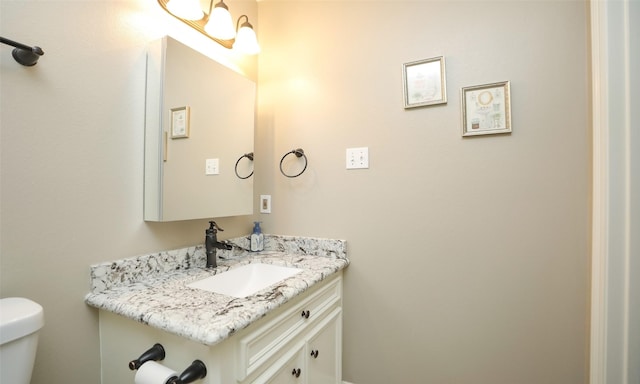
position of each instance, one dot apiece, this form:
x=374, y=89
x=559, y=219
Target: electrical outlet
x=358, y=158
x=212, y=167
x=265, y=203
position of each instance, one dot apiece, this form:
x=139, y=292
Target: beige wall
x=72, y=131
x=470, y=259
x=469, y=256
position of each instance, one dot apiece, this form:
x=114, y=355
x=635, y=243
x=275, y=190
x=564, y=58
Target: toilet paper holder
x=197, y=370
x=154, y=353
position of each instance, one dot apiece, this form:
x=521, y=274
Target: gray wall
x=72, y=134
x=470, y=256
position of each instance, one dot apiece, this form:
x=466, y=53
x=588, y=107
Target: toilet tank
x=20, y=321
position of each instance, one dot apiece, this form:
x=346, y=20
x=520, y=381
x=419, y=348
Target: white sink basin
x=245, y=280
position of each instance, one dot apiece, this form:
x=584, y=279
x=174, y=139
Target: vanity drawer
x=260, y=344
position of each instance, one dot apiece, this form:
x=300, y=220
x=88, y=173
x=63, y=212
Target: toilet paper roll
x=154, y=373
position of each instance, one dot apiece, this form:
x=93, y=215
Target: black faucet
x=212, y=244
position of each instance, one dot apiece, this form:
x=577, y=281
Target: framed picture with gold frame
x=486, y=109
x=424, y=82
x=180, y=122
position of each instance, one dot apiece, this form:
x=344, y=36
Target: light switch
x=357, y=158
x=212, y=167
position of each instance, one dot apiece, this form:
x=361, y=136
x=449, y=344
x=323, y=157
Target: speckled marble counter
x=152, y=289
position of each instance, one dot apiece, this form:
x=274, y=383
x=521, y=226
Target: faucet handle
x=214, y=227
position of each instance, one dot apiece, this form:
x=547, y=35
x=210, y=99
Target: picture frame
x=180, y=122
x=425, y=82
x=486, y=109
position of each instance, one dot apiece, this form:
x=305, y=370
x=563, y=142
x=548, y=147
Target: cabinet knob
x=305, y=314
x=296, y=372
x=314, y=353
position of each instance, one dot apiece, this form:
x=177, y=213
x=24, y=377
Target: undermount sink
x=245, y=280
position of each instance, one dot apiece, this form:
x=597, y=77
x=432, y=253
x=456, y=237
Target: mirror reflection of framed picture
x=180, y=122
x=486, y=109
x=424, y=82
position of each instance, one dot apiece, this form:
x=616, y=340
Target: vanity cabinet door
x=324, y=351
x=287, y=371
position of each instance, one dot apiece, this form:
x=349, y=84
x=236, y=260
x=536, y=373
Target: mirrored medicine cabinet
x=199, y=121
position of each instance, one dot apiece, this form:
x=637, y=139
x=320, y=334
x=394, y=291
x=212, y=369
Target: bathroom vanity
x=289, y=332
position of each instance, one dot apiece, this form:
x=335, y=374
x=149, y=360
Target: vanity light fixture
x=24, y=54
x=217, y=24
x=185, y=9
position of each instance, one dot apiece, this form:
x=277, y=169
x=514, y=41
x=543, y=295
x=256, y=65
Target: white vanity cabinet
x=316, y=361
x=301, y=345
x=300, y=342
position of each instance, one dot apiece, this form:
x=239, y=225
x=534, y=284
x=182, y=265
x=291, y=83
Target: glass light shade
x=186, y=9
x=220, y=24
x=246, y=41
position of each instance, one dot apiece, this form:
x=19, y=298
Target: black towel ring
x=248, y=156
x=299, y=153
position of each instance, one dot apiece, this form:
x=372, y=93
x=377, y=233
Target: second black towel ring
x=299, y=153
x=248, y=156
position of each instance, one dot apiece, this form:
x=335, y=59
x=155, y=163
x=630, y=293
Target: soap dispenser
x=257, y=238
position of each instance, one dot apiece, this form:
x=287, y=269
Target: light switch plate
x=212, y=167
x=358, y=158
x=265, y=203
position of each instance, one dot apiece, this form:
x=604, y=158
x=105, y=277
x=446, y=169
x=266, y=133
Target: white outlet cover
x=265, y=203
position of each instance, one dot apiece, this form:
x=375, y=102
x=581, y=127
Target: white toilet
x=20, y=321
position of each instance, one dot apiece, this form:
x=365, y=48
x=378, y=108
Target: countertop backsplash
x=134, y=269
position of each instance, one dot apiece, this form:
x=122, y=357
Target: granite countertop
x=153, y=290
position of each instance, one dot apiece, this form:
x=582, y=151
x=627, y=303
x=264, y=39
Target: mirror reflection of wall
x=199, y=122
